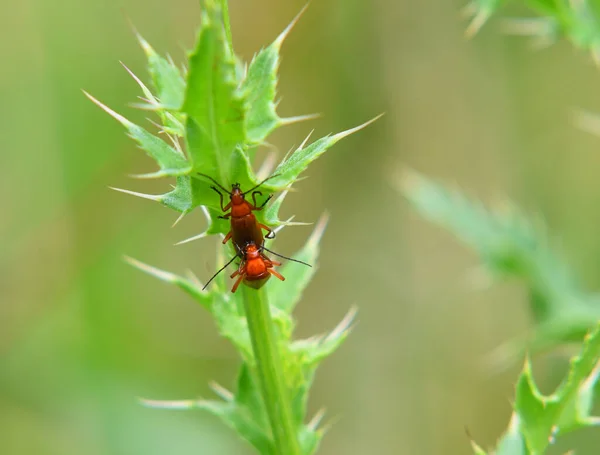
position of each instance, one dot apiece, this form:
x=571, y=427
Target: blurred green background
x=82, y=334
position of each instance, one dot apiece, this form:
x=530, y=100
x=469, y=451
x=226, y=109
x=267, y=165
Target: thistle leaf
x=248, y=396
x=170, y=161
x=509, y=245
x=289, y=170
x=298, y=276
x=538, y=419
x=506, y=241
x=241, y=421
x=166, y=77
x=259, y=89
x=577, y=21
x=479, y=11
x=215, y=111
x=184, y=284
x=223, y=113
x=512, y=442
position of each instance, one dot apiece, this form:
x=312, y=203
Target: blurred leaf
x=578, y=21
x=232, y=323
x=539, y=419
x=479, y=11
x=508, y=245
x=308, y=354
x=242, y=423
x=248, y=396
x=246, y=413
x=512, y=442
x=309, y=439
x=506, y=241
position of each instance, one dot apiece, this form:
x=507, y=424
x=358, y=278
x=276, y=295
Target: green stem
x=225, y=8
x=270, y=371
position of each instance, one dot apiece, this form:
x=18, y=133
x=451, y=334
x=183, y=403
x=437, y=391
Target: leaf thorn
x=298, y=118
x=116, y=116
x=191, y=239
x=179, y=218
x=283, y=35
x=168, y=404
x=152, y=197
x=346, y=133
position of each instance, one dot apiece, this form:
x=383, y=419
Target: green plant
x=215, y=113
x=510, y=246
x=578, y=21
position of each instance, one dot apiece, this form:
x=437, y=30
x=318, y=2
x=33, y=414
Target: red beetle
x=255, y=268
x=244, y=227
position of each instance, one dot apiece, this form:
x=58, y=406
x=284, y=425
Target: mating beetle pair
x=246, y=234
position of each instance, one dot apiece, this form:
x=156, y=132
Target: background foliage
x=81, y=333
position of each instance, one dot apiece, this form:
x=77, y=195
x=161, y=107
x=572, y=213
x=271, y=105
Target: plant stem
x=225, y=8
x=270, y=371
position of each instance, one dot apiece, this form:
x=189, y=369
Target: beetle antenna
x=285, y=257
x=214, y=181
x=268, y=178
x=220, y=270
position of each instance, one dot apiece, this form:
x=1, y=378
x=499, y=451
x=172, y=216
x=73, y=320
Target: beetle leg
x=270, y=232
x=224, y=208
x=237, y=282
x=257, y=207
x=254, y=193
x=276, y=274
x=227, y=237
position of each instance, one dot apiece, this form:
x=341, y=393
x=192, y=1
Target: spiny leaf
x=215, y=125
x=230, y=413
x=187, y=194
x=298, y=276
x=507, y=243
x=180, y=198
x=289, y=170
x=171, y=121
x=309, y=439
x=191, y=288
x=477, y=450
x=306, y=355
x=480, y=11
x=538, y=419
x=248, y=396
x=270, y=213
x=166, y=77
x=578, y=21
x=321, y=347
x=230, y=322
x=259, y=89
x=512, y=442
x=170, y=161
